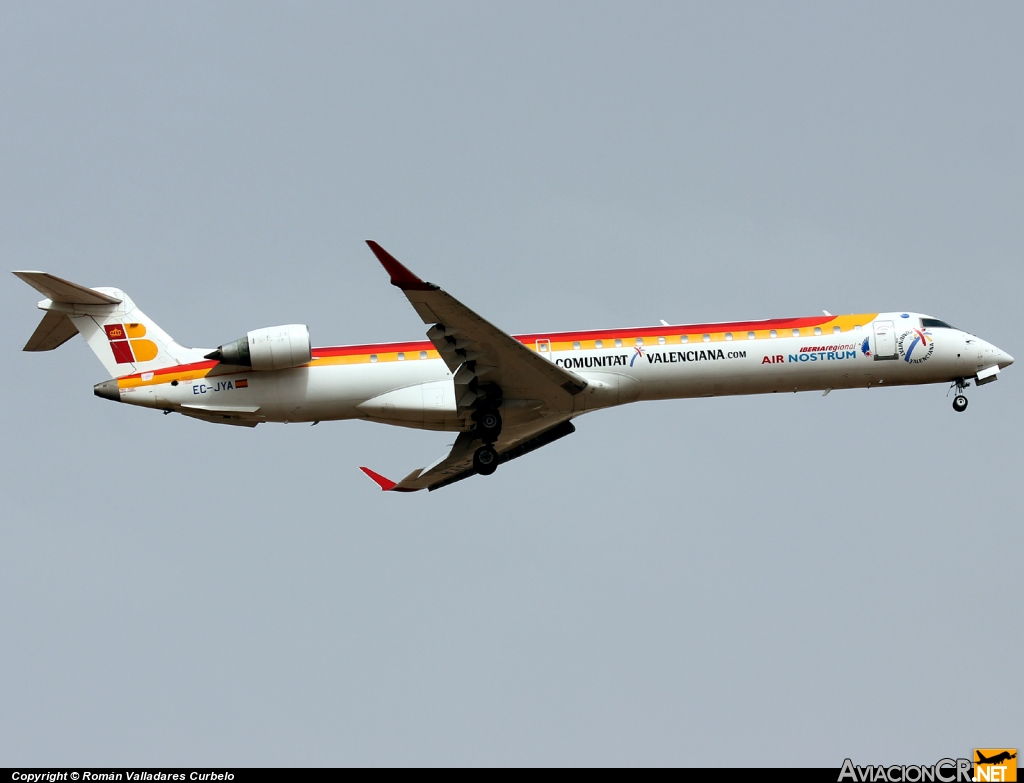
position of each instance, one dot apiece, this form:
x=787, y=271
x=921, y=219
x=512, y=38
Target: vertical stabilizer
x=123, y=338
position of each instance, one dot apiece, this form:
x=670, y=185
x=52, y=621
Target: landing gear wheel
x=489, y=425
x=959, y=403
x=485, y=460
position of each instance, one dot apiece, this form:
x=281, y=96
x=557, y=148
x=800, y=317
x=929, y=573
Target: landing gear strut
x=485, y=460
x=960, y=400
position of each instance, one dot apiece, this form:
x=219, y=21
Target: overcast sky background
x=784, y=579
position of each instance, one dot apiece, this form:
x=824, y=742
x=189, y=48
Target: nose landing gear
x=960, y=400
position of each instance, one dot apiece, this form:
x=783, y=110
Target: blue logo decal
x=908, y=341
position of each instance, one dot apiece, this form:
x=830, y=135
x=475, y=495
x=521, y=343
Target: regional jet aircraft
x=506, y=396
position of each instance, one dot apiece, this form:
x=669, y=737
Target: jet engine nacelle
x=270, y=348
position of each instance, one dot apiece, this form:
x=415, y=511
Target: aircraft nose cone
x=1005, y=360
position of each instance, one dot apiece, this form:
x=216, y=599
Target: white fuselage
x=414, y=387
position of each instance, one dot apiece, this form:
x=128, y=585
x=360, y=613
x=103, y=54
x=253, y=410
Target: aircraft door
x=885, y=340
x=544, y=349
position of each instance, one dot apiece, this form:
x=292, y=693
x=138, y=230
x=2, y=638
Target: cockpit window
x=934, y=323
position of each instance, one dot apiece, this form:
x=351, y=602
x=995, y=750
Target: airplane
x=505, y=396
x=996, y=759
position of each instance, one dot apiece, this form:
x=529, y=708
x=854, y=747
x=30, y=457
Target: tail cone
x=107, y=390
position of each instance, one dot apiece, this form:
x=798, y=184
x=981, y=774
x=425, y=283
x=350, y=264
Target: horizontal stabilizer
x=53, y=331
x=61, y=290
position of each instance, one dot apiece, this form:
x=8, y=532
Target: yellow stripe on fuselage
x=673, y=335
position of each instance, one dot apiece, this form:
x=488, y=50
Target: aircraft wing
x=457, y=464
x=480, y=355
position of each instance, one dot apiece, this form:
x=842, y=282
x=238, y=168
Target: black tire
x=489, y=425
x=959, y=403
x=485, y=460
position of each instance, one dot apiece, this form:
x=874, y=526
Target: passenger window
x=661, y=341
x=599, y=343
x=618, y=343
x=684, y=338
x=728, y=335
x=373, y=357
x=575, y=346
x=817, y=331
x=836, y=330
x=639, y=340
x=796, y=332
x=751, y=335
x=773, y=333
x=423, y=354
x=401, y=357
x=707, y=338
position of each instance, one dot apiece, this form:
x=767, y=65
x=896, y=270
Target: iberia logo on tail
x=125, y=345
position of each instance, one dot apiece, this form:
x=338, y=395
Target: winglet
x=400, y=276
x=384, y=483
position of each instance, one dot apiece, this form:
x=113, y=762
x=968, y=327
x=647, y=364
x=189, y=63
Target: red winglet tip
x=400, y=276
x=384, y=483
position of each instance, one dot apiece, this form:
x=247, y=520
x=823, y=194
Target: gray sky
x=772, y=580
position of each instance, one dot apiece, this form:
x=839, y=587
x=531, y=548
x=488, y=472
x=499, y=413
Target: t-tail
x=123, y=338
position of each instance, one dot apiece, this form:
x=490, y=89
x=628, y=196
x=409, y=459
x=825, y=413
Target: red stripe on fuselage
x=597, y=334
x=555, y=337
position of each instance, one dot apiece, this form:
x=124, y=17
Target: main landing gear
x=488, y=425
x=485, y=460
x=960, y=400
x=488, y=428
